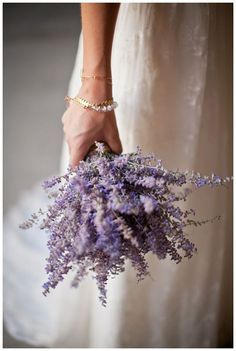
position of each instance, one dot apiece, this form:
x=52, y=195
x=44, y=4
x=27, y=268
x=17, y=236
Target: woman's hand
x=84, y=126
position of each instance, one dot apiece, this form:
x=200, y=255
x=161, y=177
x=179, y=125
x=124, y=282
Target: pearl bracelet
x=105, y=106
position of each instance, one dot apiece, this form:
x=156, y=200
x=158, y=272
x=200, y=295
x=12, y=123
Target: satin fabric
x=172, y=79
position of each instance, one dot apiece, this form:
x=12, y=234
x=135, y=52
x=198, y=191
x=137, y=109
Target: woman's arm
x=98, y=25
x=82, y=127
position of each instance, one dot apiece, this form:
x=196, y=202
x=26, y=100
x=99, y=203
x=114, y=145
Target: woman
x=171, y=71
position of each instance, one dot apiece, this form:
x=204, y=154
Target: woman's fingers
x=78, y=154
x=114, y=144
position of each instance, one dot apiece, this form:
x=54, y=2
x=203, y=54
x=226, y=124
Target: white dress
x=172, y=78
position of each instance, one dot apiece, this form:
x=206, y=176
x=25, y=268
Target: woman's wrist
x=95, y=90
x=97, y=71
x=100, y=66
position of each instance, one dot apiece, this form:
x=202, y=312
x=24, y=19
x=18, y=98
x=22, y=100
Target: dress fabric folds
x=172, y=79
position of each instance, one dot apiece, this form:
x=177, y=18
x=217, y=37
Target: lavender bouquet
x=116, y=207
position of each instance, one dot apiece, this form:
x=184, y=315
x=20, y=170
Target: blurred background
x=41, y=38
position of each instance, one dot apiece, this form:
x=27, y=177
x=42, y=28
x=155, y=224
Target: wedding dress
x=172, y=78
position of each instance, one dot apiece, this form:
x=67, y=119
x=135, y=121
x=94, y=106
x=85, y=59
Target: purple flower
x=148, y=203
x=113, y=208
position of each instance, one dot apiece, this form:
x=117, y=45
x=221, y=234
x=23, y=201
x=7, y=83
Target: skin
x=84, y=126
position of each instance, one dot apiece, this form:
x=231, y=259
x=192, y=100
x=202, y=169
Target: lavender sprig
x=117, y=207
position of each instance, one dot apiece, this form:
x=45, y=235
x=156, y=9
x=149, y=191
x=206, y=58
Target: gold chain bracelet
x=93, y=76
x=104, y=106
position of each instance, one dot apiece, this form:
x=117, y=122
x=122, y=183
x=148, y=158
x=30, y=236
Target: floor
x=40, y=44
